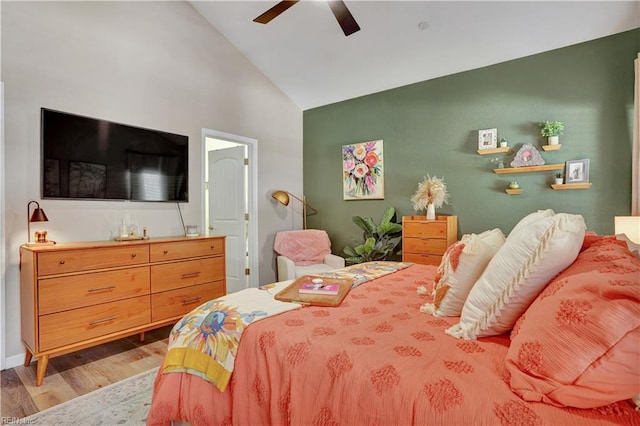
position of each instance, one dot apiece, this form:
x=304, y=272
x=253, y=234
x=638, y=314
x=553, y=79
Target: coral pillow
x=528, y=260
x=304, y=247
x=461, y=266
x=578, y=344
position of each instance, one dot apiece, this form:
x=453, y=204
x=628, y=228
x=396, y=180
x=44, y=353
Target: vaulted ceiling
x=306, y=54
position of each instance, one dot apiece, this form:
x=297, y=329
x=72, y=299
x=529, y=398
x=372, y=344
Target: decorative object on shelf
x=558, y=178
x=514, y=185
x=37, y=216
x=527, y=155
x=431, y=194
x=283, y=198
x=499, y=163
x=362, y=171
x=577, y=171
x=379, y=242
x=503, y=143
x=552, y=130
x=487, y=138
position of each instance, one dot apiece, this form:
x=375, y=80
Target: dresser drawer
x=185, y=249
x=65, y=261
x=77, y=291
x=169, y=276
x=179, y=302
x=424, y=245
x=424, y=259
x=433, y=229
x=82, y=324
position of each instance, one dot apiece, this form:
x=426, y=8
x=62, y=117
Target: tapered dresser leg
x=27, y=358
x=41, y=369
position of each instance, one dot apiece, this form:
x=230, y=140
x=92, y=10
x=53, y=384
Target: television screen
x=87, y=158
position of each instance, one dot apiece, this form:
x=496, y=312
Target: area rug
x=126, y=402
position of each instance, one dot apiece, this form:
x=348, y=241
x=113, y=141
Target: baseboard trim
x=15, y=361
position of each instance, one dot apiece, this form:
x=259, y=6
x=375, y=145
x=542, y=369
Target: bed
x=387, y=356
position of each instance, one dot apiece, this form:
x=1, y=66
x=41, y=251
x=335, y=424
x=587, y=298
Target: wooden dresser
x=77, y=295
x=425, y=241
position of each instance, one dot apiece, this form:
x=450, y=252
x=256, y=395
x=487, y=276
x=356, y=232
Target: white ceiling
x=305, y=53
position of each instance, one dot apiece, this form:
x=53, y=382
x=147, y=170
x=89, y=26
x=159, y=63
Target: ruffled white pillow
x=533, y=254
x=461, y=266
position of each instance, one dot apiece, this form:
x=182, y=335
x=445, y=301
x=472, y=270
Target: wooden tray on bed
x=291, y=293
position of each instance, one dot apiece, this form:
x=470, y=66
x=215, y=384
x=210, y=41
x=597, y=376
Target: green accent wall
x=431, y=128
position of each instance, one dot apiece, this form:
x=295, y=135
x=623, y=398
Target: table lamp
x=37, y=216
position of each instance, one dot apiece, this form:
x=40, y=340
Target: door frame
x=252, y=196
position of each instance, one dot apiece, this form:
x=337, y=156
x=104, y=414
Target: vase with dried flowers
x=431, y=193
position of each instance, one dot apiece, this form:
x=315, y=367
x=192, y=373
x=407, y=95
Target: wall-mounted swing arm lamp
x=283, y=198
x=37, y=216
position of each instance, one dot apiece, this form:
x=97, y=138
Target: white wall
x=157, y=65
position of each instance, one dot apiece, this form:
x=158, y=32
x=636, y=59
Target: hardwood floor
x=69, y=376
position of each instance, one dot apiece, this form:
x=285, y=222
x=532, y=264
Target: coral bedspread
x=375, y=359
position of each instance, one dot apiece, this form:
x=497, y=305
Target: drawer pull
x=190, y=301
x=133, y=255
x=61, y=262
x=191, y=274
x=165, y=251
x=212, y=246
x=111, y=287
x=102, y=321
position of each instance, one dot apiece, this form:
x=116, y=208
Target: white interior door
x=228, y=209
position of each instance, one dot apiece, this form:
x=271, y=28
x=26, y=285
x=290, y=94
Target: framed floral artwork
x=363, y=171
x=487, y=138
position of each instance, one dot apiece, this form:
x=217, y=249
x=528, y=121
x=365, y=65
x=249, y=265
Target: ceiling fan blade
x=274, y=11
x=344, y=17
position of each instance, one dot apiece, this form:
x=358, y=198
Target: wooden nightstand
x=425, y=241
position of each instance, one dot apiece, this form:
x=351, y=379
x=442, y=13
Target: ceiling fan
x=339, y=9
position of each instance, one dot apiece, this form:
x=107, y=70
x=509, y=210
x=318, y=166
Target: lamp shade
x=282, y=197
x=628, y=225
x=38, y=216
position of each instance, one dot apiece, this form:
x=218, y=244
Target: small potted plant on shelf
x=558, y=177
x=503, y=143
x=552, y=130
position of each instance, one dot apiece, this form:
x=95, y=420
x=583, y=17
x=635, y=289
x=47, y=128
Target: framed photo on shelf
x=577, y=171
x=487, y=138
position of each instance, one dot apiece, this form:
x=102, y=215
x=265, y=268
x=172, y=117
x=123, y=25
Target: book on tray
x=319, y=288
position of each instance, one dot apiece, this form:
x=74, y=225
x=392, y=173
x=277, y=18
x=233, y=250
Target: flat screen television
x=91, y=159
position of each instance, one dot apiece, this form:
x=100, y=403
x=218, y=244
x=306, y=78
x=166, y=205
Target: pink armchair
x=304, y=252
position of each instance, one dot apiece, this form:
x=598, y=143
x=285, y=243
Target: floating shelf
x=490, y=151
x=528, y=169
x=511, y=191
x=551, y=147
x=571, y=186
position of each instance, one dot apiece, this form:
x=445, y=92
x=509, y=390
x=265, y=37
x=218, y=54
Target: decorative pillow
x=523, y=266
x=532, y=218
x=578, y=344
x=461, y=266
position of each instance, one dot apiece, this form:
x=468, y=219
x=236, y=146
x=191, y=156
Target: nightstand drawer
x=82, y=324
x=77, y=291
x=169, y=276
x=61, y=262
x=433, y=229
x=424, y=259
x=425, y=245
x=179, y=302
x=186, y=249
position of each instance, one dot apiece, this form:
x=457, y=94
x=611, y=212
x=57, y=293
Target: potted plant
x=552, y=130
x=558, y=177
x=503, y=143
x=379, y=241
